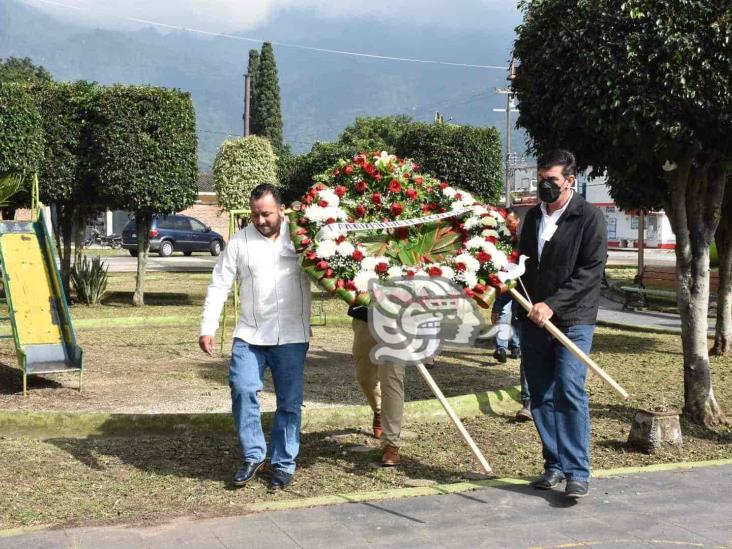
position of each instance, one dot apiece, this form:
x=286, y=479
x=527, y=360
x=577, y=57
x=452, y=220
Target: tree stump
x=653, y=430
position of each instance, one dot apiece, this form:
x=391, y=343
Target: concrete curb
x=435, y=490
x=79, y=425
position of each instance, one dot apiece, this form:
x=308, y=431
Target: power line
x=279, y=44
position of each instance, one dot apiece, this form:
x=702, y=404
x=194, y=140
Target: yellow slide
x=44, y=337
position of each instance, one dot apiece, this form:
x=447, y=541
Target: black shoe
x=246, y=472
x=279, y=479
x=549, y=479
x=500, y=355
x=577, y=489
x=516, y=352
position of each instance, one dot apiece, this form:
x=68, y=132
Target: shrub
x=240, y=165
x=89, y=280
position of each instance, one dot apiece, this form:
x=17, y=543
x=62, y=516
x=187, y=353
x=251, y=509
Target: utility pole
x=247, y=93
x=508, y=92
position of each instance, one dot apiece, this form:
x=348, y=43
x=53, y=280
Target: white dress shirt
x=274, y=292
x=548, y=225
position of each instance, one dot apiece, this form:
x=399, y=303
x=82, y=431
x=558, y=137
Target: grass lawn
x=155, y=368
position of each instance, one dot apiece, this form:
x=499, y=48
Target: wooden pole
x=576, y=351
x=247, y=103
x=454, y=417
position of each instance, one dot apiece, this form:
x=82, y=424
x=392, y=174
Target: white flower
x=370, y=263
x=326, y=249
x=315, y=213
x=479, y=210
x=384, y=160
x=331, y=235
x=499, y=259
x=449, y=192
x=471, y=264
x=447, y=272
x=488, y=233
x=472, y=222
x=395, y=272
x=470, y=279
x=361, y=280
x=497, y=215
x=475, y=242
x=345, y=249
x=489, y=221
x=330, y=197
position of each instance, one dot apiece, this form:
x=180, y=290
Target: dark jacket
x=569, y=275
x=359, y=312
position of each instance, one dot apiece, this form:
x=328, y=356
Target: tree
x=143, y=151
x=15, y=69
x=267, y=114
x=21, y=140
x=723, y=238
x=467, y=156
x=64, y=180
x=252, y=69
x=375, y=132
x=629, y=85
x=240, y=165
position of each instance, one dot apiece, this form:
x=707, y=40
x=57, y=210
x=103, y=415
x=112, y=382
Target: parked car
x=175, y=233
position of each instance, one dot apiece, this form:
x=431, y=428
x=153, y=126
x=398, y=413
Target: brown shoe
x=524, y=414
x=390, y=456
x=377, y=425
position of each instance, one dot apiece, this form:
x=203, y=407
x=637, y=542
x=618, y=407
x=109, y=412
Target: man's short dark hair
x=559, y=157
x=264, y=189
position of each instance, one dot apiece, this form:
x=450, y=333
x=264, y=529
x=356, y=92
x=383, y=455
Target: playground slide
x=44, y=336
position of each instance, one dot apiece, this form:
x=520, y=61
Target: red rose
x=301, y=231
x=460, y=267
x=458, y=196
x=357, y=255
x=492, y=239
x=432, y=206
x=340, y=239
x=340, y=190
x=434, y=271
x=418, y=180
x=350, y=285
x=411, y=194
x=305, y=242
x=415, y=167
x=376, y=199
x=336, y=172
x=483, y=257
x=395, y=186
x=514, y=256
x=377, y=176
x=369, y=169
x=407, y=175
x=444, y=185
x=340, y=283
x=348, y=169
x=323, y=203
x=360, y=186
x=329, y=273
x=410, y=274
x=402, y=233
x=308, y=200
x=468, y=292
x=381, y=268
x=493, y=280
x=322, y=265
x=360, y=210
x=396, y=209
x=479, y=288
x=424, y=207
x=310, y=255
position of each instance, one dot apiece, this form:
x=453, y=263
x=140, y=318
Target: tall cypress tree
x=267, y=120
x=252, y=71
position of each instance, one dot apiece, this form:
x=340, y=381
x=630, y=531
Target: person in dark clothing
x=565, y=239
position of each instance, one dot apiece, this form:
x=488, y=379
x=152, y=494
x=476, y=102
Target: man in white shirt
x=273, y=331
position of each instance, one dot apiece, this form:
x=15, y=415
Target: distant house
x=622, y=226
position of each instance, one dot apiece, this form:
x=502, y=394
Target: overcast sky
x=247, y=15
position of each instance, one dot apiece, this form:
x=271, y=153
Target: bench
x=664, y=280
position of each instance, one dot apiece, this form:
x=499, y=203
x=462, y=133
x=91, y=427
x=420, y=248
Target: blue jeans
x=505, y=320
x=287, y=363
x=559, y=401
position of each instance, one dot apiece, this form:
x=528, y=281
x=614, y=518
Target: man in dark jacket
x=565, y=238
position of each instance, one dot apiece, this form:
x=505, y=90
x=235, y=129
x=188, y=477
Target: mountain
x=321, y=92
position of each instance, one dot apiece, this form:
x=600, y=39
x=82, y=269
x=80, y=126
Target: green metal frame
x=38, y=224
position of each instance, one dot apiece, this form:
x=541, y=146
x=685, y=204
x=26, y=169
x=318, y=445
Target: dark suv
x=175, y=233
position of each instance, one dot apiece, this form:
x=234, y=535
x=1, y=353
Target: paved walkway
x=681, y=508
x=612, y=312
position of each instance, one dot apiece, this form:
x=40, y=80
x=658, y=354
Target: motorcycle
x=96, y=238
